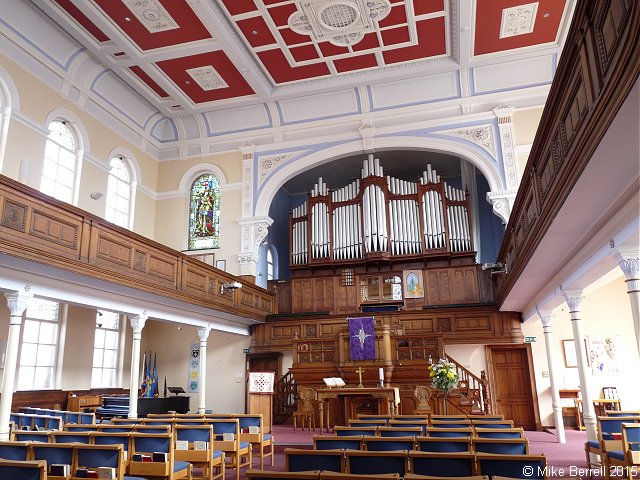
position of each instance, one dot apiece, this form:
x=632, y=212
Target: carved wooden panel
x=54, y=230
x=302, y=296
x=114, y=251
x=14, y=215
x=162, y=268
x=473, y=323
x=285, y=332
x=419, y=324
x=196, y=280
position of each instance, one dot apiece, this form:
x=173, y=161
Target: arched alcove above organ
x=379, y=218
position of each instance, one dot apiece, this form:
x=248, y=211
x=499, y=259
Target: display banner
x=362, y=340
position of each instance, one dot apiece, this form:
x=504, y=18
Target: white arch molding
x=453, y=146
x=194, y=172
x=9, y=101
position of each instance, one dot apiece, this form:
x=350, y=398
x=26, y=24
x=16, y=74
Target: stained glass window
x=204, y=213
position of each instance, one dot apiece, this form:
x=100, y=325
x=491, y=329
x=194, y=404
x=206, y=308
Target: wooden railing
x=599, y=66
x=473, y=391
x=41, y=229
x=285, y=394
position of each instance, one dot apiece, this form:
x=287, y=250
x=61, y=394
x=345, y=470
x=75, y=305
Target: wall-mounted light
x=96, y=195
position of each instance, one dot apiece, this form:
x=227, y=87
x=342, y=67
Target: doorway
x=512, y=383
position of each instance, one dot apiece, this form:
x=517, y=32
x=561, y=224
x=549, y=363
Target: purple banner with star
x=362, y=340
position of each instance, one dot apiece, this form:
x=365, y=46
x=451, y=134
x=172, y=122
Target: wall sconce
x=230, y=287
x=96, y=195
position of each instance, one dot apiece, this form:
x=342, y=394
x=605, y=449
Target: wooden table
x=385, y=396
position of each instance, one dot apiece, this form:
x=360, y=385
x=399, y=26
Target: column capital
x=203, y=333
x=18, y=302
x=629, y=261
x=502, y=202
x=574, y=299
x=138, y=322
x=545, y=317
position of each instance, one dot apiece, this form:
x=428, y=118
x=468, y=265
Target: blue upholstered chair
x=450, y=423
x=621, y=413
x=513, y=466
x=33, y=470
x=261, y=439
x=380, y=422
x=396, y=431
x=337, y=442
x=150, y=443
x=609, y=438
x=385, y=444
x=354, y=476
x=485, y=418
x=31, y=436
x=80, y=427
x=367, y=463
x=150, y=428
x=207, y=458
x=449, y=432
x=237, y=452
x=449, y=418
x=351, y=431
x=302, y=460
x=114, y=438
x=53, y=453
x=442, y=464
x=493, y=423
x=443, y=445
x=69, y=437
x=498, y=432
x=14, y=450
x=627, y=460
x=94, y=456
x=386, y=418
x=502, y=446
x=256, y=474
x=117, y=428
x=423, y=424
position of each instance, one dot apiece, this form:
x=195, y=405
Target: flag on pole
x=143, y=384
x=154, y=377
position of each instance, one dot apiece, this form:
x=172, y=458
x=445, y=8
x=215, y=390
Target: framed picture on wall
x=570, y=354
x=221, y=264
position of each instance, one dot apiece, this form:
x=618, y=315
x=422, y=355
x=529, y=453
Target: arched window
x=118, y=193
x=60, y=162
x=269, y=265
x=204, y=213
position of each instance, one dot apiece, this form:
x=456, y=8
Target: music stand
x=176, y=390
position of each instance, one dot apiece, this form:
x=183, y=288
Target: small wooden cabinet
x=80, y=403
x=570, y=411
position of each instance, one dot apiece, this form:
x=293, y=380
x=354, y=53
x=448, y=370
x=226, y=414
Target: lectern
x=260, y=397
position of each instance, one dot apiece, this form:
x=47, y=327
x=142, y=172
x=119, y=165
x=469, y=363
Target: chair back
x=301, y=460
x=400, y=431
x=423, y=424
x=493, y=423
x=368, y=423
x=350, y=431
x=385, y=444
x=499, y=432
x=443, y=445
x=256, y=474
x=368, y=463
x=32, y=470
x=449, y=432
x=337, y=442
x=31, y=436
x=81, y=427
x=622, y=413
x=513, y=466
x=53, y=453
x=94, y=456
x=442, y=464
x=70, y=437
x=503, y=446
x=14, y=451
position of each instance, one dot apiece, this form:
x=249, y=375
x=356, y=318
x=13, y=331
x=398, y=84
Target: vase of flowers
x=444, y=376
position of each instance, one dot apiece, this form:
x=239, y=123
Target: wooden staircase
x=285, y=395
x=471, y=396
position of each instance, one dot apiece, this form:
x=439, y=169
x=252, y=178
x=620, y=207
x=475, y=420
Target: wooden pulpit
x=260, y=397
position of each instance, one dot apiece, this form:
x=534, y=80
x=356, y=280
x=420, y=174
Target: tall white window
x=118, y=193
x=60, y=162
x=269, y=265
x=105, y=350
x=36, y=369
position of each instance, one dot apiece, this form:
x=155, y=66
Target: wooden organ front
x=380, y=217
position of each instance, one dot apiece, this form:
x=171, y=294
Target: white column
x=574, y=299
x=62, y=339
x=137, y=324
x=629, y=261
x=203, y=334
x=17, y=303
x=545, y=318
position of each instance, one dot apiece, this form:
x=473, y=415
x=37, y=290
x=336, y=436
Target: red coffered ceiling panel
x=431, y=42
x=237, y=7
x=142, y=75
x=82, y=19
x=190, y=28
x=489, y=17
x=176, y=70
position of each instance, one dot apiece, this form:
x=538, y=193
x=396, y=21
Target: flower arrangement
x=443, y=374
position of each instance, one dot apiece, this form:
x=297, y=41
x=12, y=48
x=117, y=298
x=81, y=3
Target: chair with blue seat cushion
x=80, y=427
x=411, y=418
x=14, y=450
x=502, y=446
x=400, y=431
x=609, y=439
x=448, y=418
x=351, y=431
x=53, y=453
x=442, y=464
x=150, y=428
x=449, y=432
x=355, y=476
x=302, y=460
x=259, y=474
x=368, y=423
x=253, y=430
x=498, y=432
x=31, y=436
x=95, y=456
x=622, y=413
x=114, y=438
x=337, y=442
x=422, y=424
x=32, y=470
x=487, y=418
x=363, y=416
x=194, y=444
x=226, y=437
x=384, y=444
x=153, y=443
x=446, y=445
x=512, y=466
x=87, y=418
x=415, y=476
x=492, y=423
x=118, y=428
x=450, y=423
x=70, y=437
x=626, y=460
x=367, y=462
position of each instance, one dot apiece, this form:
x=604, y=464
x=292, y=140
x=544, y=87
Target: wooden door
x=512, y=384
x=268, y=362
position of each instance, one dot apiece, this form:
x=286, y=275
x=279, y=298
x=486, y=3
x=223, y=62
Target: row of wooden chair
x=66, y=415
x=421, y=463
x=504, y=446
x=326, y=475
x=24, y=456
x=423, y=430
x=432, y=423
x=618, y=445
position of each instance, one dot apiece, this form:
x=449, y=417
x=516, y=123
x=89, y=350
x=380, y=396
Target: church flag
x=143, y=383
x=362, y=344
x=154, y=377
